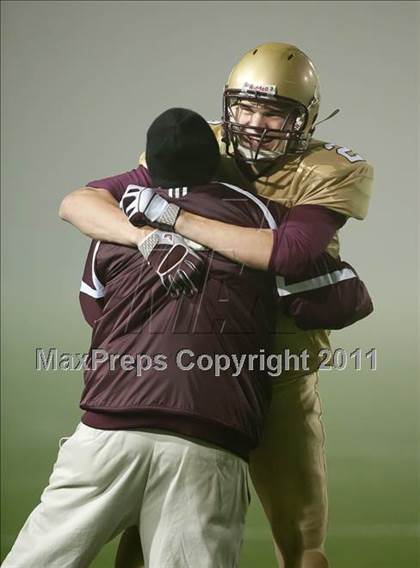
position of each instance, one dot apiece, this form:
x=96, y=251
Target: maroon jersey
x=175, y=342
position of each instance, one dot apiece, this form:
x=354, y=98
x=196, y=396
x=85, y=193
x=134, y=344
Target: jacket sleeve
x=302, y=236
x=92, y=290
x=117, y=184
x=330, y=295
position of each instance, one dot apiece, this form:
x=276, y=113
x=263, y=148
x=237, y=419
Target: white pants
x=188, y=499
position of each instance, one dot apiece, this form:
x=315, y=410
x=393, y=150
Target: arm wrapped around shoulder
x=330, y=296
x=302, y=236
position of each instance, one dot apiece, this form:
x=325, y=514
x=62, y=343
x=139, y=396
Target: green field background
x=81, y=81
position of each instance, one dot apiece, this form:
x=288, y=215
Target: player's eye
x=275, y=112
x=246, y=108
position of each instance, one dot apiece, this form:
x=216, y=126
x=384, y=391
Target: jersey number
x=346, y=153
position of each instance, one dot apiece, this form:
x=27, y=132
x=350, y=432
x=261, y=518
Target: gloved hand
x=179, y=268
x=143, y=206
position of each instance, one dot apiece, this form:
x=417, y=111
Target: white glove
x=143, y=206
x=179, y=268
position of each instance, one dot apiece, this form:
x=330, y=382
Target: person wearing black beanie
x=181, y=149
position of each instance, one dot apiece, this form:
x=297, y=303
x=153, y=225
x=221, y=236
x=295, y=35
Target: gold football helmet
x=280, y=77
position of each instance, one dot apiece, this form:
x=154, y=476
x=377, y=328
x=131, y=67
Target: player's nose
x=256, y=119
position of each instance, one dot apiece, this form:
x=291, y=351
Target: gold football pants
x=289, y=474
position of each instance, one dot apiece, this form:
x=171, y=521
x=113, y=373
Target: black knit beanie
x=181, y=149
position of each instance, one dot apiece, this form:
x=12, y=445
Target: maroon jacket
x=132, y=315
x=320, y=292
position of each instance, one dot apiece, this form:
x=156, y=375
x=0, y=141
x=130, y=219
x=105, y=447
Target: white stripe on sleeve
x=313, y=283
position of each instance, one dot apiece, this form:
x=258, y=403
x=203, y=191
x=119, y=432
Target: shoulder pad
x=216, y=127
x=336, y=177
x=142, y=159
x=331, y=158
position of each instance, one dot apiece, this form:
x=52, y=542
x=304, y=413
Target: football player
x=270, y=107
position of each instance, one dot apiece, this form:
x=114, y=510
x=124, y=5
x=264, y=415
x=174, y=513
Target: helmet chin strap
x=259, y=153
x=262, y=154
x=253, y=169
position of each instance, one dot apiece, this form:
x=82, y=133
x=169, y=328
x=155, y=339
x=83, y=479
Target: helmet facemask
x=253, y=144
